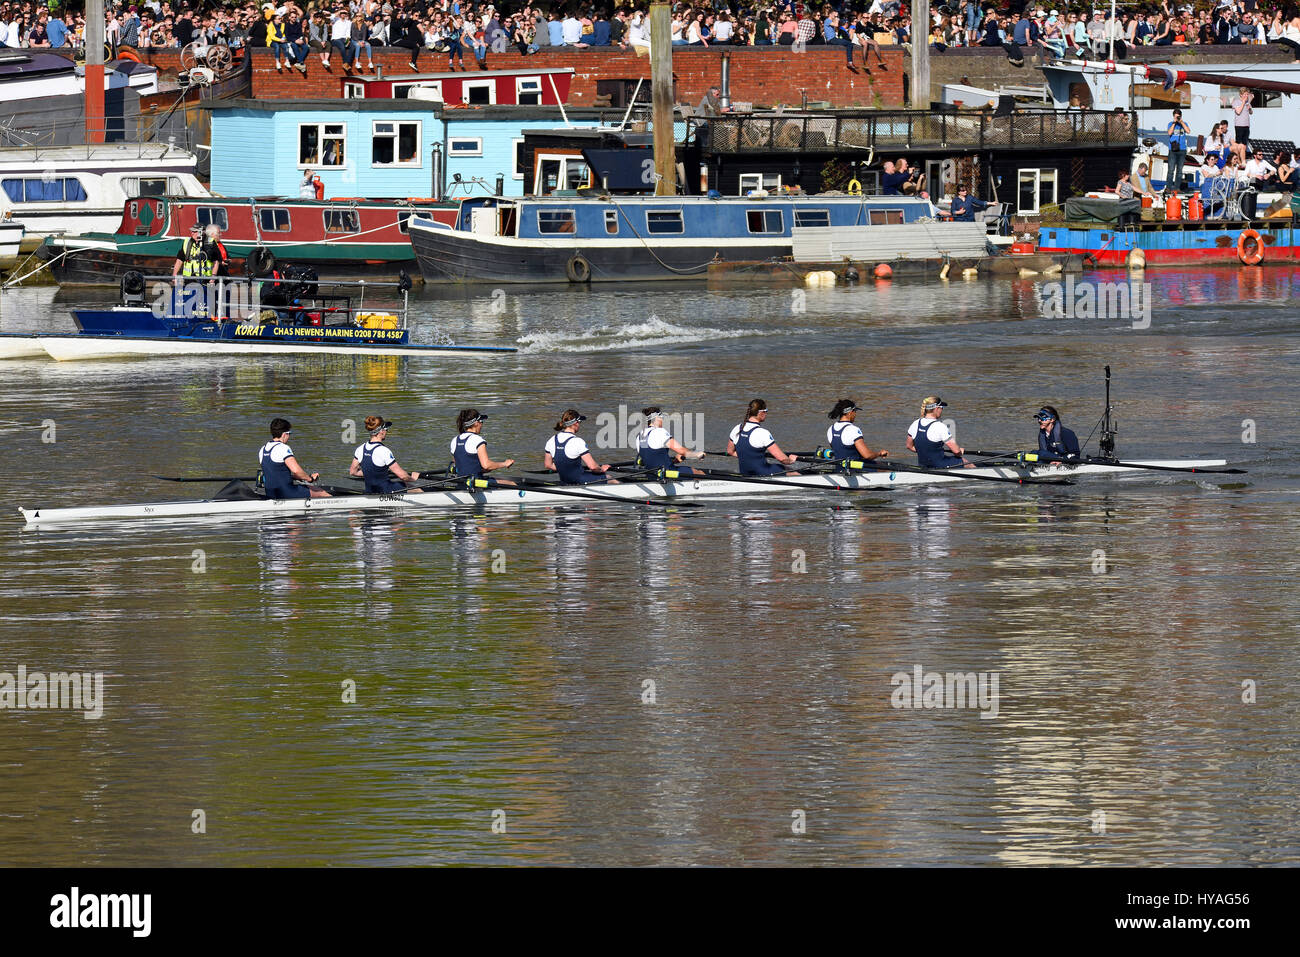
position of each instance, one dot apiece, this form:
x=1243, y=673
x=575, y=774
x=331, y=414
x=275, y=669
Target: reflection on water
x=643, y=686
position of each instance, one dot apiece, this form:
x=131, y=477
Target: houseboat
x=601, y=238
x=68, y=190
x=11, y=240
x=340, y=238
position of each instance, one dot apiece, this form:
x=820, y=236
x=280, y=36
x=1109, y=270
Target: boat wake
x=653, y=332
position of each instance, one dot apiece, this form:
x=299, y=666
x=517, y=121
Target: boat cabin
x=536, y=87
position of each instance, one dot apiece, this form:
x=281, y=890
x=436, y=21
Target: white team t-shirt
x=848, y=435
x=655, y=438
x=279, y=452
x=574, y=447
x=383, y=455
x=936, y=431
x=472, y=444
x=759, y=437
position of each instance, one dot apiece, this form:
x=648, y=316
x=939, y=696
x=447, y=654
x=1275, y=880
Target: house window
x=273, y=219
x=355, y=90
x=518, y=171
x=884, y=217
x=38, y=189
x=478, y=92
x=1035, y=188
x=664, y=221
x=812, y=217
x=556, y=221
x=321, y=144
x=768, y=181
x=404, y=219
x=402, y=91
x=528, y=90
x=212, y=216
x=464, y=146
x=152, y=186
x=611, y=221
x=342, y=221
x=765, y=221
x=395, y=144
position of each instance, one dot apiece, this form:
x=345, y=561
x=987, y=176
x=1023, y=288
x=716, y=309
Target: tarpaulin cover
x=1101, y=210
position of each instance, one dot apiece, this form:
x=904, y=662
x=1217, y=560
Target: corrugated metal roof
x=819, y=244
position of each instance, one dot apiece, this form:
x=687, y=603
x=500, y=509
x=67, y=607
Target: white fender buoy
x=943, y=273
x=1026, y=273
x=1137, y=259
x=970, y=273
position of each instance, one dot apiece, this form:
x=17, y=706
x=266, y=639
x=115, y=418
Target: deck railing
x=912, y=129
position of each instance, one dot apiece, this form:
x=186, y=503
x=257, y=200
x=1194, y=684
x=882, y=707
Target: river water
x=618, y=685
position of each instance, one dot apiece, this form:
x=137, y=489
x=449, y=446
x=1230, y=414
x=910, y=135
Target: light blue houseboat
x=601, y=238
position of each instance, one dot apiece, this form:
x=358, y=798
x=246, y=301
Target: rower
x=657, y=449
x=569, y=456
x=469, y=454
x=1053, y=438
x=375, y=462
x=280, y=468
x=931, y=440
x=848, y=447
x=751, y=443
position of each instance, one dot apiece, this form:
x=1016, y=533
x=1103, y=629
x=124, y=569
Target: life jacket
x=194, y=261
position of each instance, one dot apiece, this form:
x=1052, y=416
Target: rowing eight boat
x=534, y=497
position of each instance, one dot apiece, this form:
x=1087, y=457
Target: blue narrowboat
x=608, y=238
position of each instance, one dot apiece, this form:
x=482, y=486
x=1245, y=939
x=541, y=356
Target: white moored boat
x=696, y=488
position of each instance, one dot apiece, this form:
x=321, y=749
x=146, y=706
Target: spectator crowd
x=347, y=32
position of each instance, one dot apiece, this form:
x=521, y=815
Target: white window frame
x=490, y=85
x=681, y=222
x=880, y=216
x=404, y=218
x=453, y=140
x=573, y=218
x=765, y=213
x=1039, y=174
x=611, y=218
x=340, y=211
x=516, y=159
x=288, y=219
x=820, y=211
x=520, y=91
x=354, y=90
x=417, y=85
x=320, y=146
x=224, y=224
x=762, y=178
x=397, y=135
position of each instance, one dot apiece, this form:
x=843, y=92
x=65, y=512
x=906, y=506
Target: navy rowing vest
x=1056, y=443
x=571, y=471
x=276, y=477
x=465, y=463
x=652, y=458
x=929, y=455
x=840, y=451
x=377, y=478
x=752, y=461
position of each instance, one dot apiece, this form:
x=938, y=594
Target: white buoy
x=970, y=273
x=1026, y=273
x=1053, y=270
x=825, y=277
x=943, y=273
x=1137, y=259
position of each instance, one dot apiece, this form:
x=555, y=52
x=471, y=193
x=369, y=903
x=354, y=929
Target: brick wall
x=768, y=76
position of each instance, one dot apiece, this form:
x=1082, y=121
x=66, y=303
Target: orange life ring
x=126, y=53
x=1250, y=247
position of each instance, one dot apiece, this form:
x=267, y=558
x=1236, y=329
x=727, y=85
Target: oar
x=613, y=465
x=204, y=478
x=888, y=465
x=760, y=480
x=550, y=489
x=1040, y=457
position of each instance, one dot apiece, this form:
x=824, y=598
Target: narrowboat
x=605, y=238
x=339, y=238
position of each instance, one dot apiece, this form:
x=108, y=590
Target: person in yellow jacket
x=277, y=41
x=191, y=260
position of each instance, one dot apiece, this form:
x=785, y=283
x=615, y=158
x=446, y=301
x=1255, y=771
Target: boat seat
x=994, y=217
